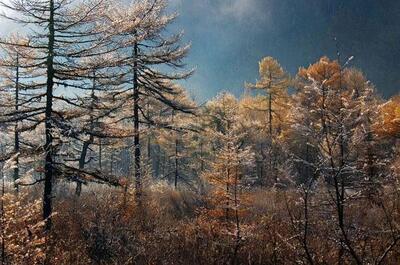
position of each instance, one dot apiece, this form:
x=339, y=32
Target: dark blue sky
x=229, y=37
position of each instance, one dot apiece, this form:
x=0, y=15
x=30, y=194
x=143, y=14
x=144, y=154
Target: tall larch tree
x=61, y=34
x=335, y=107
x=16, y=70
x=174, y=137
x=227, y=172
x=274, y=82
x=137, y=31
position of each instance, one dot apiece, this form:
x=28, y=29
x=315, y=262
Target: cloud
x=245, y=10
x=240, y=11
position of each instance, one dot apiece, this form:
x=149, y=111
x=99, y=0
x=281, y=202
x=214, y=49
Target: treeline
x=298, y=170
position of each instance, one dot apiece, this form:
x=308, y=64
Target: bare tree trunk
x=148, y=136
x=112, y=162
x=138, y=178
x=47, y=195
x=227, y=194
x=176, y=163
x=162, y=164
x=3, y=241
x=261, y=165
x=271, y=152
x=305, y=230
x=157, y=160
x=270, y=114
x=16, y=133
x=306, y=199
x=237, y=221
x=82, y=161
x=86, y=144
x=100, y=154
x=201, y=156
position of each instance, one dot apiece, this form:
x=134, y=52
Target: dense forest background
x=106, y=159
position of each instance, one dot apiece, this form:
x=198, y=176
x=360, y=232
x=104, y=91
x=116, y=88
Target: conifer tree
x=334, y=109
x=226, y=177
x=16, y=70
x=274, y=81
x=63, y=32
x=137, y=32
x=388, y=124
x=175, y=137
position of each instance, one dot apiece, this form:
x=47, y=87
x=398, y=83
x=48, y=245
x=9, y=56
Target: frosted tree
x=252, y=111
x=137, y=32
x=274, y=82
x=62, y=33
x=175, y=137
x=362, y=98
x=334, y=111
x=226, y=177
x=220, y=114
x=322, y=98
x=16, y=71
x=388, y=123
x=97, y=114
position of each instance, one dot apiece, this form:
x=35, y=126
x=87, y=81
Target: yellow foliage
x=22, y=229
x=389, y=122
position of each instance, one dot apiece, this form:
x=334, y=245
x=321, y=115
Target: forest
x=107, y=159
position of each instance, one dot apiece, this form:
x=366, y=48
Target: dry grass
x=105, y=226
